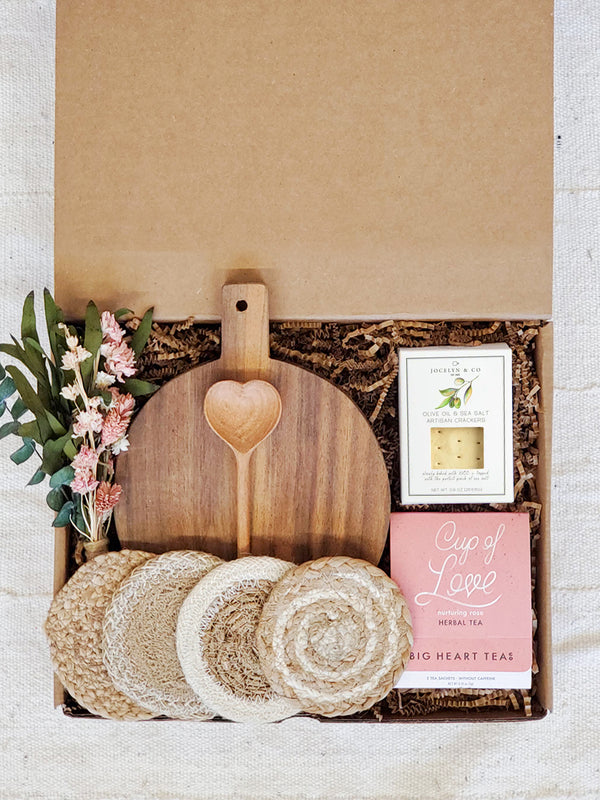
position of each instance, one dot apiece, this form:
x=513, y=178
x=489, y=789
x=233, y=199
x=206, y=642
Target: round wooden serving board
x=318, y=483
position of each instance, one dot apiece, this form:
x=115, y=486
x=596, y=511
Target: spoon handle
x=243, y=503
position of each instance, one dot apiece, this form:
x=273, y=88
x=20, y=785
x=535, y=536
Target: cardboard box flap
x=366, y=160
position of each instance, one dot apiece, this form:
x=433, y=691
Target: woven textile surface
x=74, y=630
x=45, y=756
x=335, y=634
x=139, y=633
x=216, y=640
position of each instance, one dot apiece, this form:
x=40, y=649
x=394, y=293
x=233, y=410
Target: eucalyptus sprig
x=62, y=389
x=451, y=394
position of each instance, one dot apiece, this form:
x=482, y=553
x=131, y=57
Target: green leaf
x=69, y=449
x=77, y=515
x=447, y=392
x=121, y=312
x=28, y=326
x=30, y=358
x=34, y=344
x=36, y=364
x=138, y=388
x=18, y=408
x=2, y=407
x=21, y=352
x=468, y=394
x=64, y=515
x=445, y=402
x=64, y=476
x=30, y=429
x=8, y=428
x=140, y=337
x=54, y=315
x=58, y=429
x=459, y=381
x=38, y=477
x=7, y=387
x=54, y=456
x=14, y=351
x=57, y=385
x=24, y=452
x=91, y=341
x=55, y=499
x=2, y=373
x=32, y=401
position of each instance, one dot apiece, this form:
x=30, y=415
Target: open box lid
x=365, y=160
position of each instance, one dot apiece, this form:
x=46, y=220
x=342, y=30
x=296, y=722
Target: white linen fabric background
x=46, y=755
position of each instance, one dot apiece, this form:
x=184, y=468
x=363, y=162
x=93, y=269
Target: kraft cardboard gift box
x=389, y=160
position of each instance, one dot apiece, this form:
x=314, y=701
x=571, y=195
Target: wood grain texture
x=318, y=483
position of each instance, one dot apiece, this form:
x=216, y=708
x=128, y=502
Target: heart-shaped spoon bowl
x=242, y=414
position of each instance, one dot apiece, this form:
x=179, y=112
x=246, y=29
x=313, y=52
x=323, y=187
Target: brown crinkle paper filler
x=361, y=359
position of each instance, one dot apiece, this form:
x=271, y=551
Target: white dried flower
x=120, y=446
x=72, y=341
x=73, y=358
x=70, y=392
x=104, y=380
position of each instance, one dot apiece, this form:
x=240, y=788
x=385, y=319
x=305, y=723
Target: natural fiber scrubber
x=216, y=641
x=74, y=630
x=139, y=633
x=335, y=635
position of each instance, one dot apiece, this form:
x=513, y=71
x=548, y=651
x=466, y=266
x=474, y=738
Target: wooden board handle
x=245, y=330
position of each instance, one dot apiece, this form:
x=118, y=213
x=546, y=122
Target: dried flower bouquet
x=82, y=404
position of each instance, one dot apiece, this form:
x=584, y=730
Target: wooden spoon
x=243, y=415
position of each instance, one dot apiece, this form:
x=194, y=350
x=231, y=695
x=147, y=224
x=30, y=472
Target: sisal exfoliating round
x=140, y=652
x=74, y=630
x=216, y=640
x=335, y=635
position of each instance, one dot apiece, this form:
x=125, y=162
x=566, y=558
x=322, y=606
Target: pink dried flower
x=74, y=357
x=124, y=403
x=111, y=330
x=107, y=497
x=88, y=422
x=114, y=426
x=86, y=459
x=116, y=421
x=120, y=359
x=83, y=482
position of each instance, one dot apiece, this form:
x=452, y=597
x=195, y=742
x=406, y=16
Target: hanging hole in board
x=241, y=305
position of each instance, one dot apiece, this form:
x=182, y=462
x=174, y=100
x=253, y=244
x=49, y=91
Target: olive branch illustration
x=451, y=394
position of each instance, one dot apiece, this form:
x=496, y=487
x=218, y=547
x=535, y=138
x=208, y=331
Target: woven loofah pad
x=216, y=640
x=140, y=651
x=74, y=630
x=335, y=634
